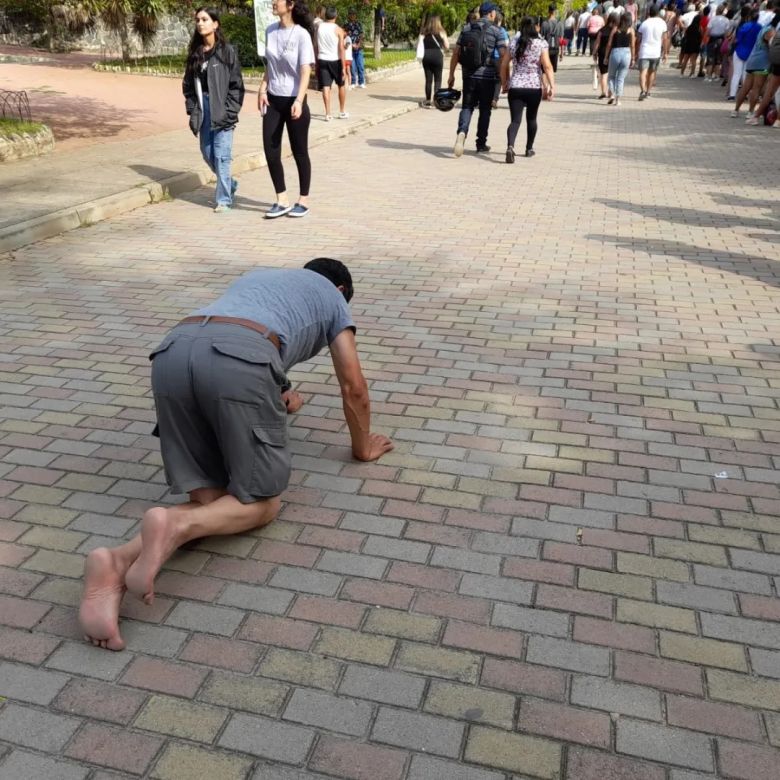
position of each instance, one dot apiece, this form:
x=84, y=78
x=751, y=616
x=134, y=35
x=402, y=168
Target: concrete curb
x=85, y=214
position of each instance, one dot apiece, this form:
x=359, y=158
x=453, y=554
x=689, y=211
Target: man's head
x=330, y=13
x=552, y=9
x=335, y=271
x=652, y=11
x=352, y=14
x=488, y=10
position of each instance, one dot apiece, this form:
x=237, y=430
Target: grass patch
x=390, y=58
x=173, y=64
x=9, y=127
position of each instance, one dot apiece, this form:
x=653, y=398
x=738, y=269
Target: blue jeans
x=477, y=94
x=619, y=60
x=216, y=146
x=358, y=67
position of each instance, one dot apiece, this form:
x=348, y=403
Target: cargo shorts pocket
x=271, y=466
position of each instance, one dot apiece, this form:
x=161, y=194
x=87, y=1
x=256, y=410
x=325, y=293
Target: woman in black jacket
x=214, y=91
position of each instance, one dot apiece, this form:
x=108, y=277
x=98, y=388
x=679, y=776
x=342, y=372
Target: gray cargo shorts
x=220, y=415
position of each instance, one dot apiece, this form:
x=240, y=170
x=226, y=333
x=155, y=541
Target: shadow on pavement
x=762, y=269
x=692, y=217
x=436, y=151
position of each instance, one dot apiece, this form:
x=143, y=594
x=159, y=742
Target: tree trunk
x=377, y=45
x=124, y=39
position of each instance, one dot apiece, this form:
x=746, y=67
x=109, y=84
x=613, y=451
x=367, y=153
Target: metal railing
x=15, y=105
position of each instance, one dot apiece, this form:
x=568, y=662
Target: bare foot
x=104, y=587
x=159, y=541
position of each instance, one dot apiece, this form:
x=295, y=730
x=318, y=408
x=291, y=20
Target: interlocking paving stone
x=33, y=728
x=183, y=760
x=81, y=658
x=415, y=731
x=35, y=686
x=20, y=764
x=180, y=718
x=671, y=745
x=267, y=738
x=315, y=708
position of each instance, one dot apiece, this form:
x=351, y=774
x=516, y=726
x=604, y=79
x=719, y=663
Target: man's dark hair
x=552, y=8
x=653, y=11
x=331, y=13
x=335, y=271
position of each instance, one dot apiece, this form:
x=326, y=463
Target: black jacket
x=226, y=91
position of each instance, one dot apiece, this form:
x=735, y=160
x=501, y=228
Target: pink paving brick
x=189, y=586
x=375, y=487
x=579, y=555
x=615, y=540
x=332, y=539
x=252, y=572
x=426, y=513
x=14, y=554
x=437, y=534
x=524, y=678
x=164, y=676
x=284, y=552
x=491, y=641
x=424, y=576
x=119, y=749
x=762, y=607
x=20, y=613
x=573, y=600
x=99, y=700
x=481, y=521
x=568, y=724
x=18, y=645
x=657, y=673
x=612, y=634
x=747, y=762
x=508, y=506
x=449, y=605
x=357, y=761
x=329, y=611
x=650, y=525
x=278, y=632
x=714, y=718
x=586, y=764
x=309, y=515
x=539, y=571
x=222, y=653
x=381, y=594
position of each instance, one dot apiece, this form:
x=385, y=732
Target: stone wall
x=173, y=36
x=21, y=145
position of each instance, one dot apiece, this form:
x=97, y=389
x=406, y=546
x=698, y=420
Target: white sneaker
x=361, y=86
x=328, y=117
x=351, y=87
x=734, y=114
x=460, y=142
x=344, y=115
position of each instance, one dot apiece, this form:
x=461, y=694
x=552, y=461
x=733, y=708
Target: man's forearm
x=357, y=413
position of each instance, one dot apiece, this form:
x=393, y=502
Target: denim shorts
x=220, y=415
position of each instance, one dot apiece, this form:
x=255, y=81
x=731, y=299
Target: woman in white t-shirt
x=289, y=56
x=531, y=79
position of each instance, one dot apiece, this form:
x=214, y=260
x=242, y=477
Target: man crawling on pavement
x=222, y=396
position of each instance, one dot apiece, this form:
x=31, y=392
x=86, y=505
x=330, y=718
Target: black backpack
x=472, y=46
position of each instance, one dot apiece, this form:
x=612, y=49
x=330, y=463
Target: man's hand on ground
x=292, y=400
x=378, y=445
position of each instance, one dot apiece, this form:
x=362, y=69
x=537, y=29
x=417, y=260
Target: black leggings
x=277, y=116
x=433, y=64
x=518, y=100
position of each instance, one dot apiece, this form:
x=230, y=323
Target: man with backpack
x=552, y=32
x=474, y=51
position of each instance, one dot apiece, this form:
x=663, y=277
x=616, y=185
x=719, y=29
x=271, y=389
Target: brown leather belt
x=255, y=326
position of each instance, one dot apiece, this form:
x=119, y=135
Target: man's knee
x=266, y=510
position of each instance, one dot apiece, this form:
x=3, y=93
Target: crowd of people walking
x=717, y=42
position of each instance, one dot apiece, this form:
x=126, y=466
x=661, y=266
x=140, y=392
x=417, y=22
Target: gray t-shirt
x=306, y=310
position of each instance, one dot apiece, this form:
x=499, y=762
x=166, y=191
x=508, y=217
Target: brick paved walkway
x=569, y=566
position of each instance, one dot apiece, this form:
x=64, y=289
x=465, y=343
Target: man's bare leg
x=164, y=530
x=104, y=584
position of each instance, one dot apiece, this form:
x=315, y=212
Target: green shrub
x=240, y=31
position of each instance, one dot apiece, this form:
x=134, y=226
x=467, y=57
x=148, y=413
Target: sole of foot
x=158, y=544
x=102, y=597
